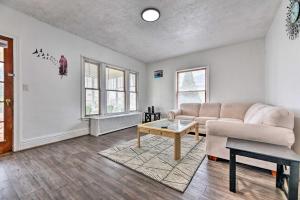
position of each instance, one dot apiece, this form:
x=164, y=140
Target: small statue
x=63, y=66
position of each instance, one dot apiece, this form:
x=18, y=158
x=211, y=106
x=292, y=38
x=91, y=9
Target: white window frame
x=109, y=90
x=83, y=88
x=136, y=90
x=102, y=88
x=207, y=94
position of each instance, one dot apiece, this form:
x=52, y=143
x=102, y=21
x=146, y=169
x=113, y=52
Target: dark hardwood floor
x=72, y=169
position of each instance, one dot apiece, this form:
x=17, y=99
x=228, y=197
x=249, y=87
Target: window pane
x=1, y=92
x=132, y=101
x=91, y=102
x=132, y=82
x=1, y=71
x=1, y=132
x=191, y=80
x=114, y=79
x=1, y=54
x=91, y=75
x=115, y=102
x=191, y=97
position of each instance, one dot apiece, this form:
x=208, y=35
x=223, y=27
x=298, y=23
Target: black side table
x=280, y=155
x=148, y=116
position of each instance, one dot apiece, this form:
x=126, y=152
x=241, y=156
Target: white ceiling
x=185, y=25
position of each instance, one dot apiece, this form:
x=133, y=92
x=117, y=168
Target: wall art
x=158, y=74
x=63, y=66
x=61, y=63
x=293, y=19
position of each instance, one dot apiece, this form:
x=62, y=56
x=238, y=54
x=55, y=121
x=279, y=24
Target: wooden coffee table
x=169, y=128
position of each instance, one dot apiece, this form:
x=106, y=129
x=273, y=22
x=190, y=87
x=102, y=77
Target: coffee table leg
x=177, y=147
x=293, y=181
x=232, y=171
x=138, y=138
x=197, y=133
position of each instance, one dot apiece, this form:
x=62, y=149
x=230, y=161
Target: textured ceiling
x=184, y=26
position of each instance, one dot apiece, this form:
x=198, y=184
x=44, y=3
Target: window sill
x=113, y=116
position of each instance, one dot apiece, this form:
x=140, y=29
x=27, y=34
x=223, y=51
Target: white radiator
x=106, y=124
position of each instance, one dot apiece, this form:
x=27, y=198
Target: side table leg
x=138, y=138
x=232, y=171
x=177, y=147
x=279, y=176
x=293, y=181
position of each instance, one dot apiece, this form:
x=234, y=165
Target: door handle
x=8, y=101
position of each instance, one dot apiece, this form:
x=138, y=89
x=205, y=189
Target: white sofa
x=256, y=122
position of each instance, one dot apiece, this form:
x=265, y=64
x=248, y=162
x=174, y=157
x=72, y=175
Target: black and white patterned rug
x=155, y=159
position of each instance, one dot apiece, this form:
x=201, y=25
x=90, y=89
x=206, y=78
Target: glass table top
x=173, y=125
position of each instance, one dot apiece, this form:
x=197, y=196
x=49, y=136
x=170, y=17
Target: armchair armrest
x=173, y=113
x=254, y=132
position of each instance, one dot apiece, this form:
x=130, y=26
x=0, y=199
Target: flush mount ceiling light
x=150, y=14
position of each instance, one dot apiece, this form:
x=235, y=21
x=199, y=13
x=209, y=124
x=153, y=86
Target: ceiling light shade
x=150, y=14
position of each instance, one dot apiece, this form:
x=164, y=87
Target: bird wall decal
x=62, y=63
x=35, y=52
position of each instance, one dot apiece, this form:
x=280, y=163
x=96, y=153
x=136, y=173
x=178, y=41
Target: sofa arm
x=259, y=133
x=173, y=113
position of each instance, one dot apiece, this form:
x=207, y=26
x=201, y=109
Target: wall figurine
x=62, y=63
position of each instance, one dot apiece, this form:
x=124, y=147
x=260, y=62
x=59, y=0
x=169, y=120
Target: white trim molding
x=56, y=137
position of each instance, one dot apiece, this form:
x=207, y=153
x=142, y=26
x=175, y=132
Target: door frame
x=8, y=92
x=17, y=103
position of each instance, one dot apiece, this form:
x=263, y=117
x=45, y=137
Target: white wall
x=51, y=107
x=283, y=68
x=236, y=74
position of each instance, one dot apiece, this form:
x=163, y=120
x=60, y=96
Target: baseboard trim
x=56, y=137
x=114, y=130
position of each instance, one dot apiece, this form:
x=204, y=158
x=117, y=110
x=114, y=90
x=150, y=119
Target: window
x=107, y=89
x=132, y=92
x=191, y=86
x=115, y=90
x=91, y=89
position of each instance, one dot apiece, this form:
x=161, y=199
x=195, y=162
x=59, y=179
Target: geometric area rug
x=155, y=159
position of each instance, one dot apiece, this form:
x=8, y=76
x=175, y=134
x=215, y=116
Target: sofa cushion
x=173, y=113
x=231, y=120
x=234, y=110
x=253, y=132
x=269, y=115
x=203, y=120
x=252, y=115
x=210, y=110
x=185, y=117
x=191, y=109
x=279, y=117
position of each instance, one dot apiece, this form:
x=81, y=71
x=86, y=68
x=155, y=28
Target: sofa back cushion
x=280, y=117
x=191, y=109
x=254, y=114
x=269, y=115
x=234, y=110
x=210, y=110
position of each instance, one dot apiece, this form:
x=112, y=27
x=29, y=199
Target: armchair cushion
x=259, y=133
